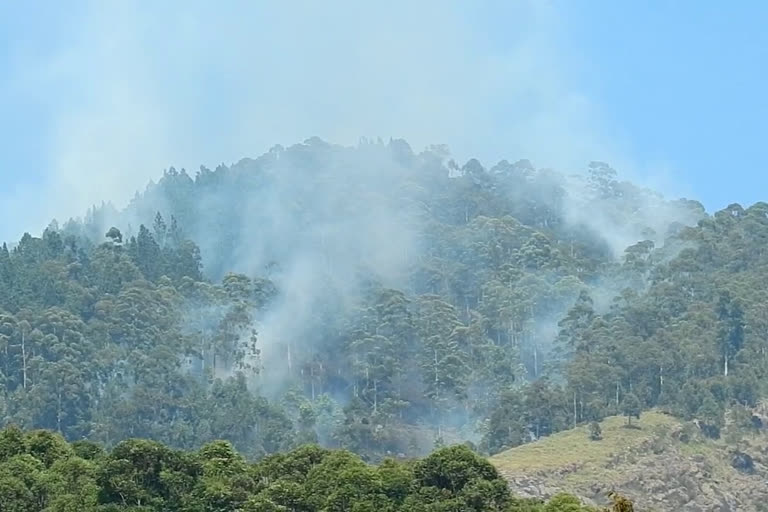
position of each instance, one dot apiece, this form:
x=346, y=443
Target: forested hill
x=382, y=301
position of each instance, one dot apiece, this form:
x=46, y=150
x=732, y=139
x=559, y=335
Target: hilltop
x=663, y=464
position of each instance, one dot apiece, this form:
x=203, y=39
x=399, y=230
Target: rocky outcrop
x=670, y=480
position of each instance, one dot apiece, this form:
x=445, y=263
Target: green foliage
x=631, y=406
x=389, y=299
x=564, y=503
x=595, y=432
x=139, y=475
x=12, y=442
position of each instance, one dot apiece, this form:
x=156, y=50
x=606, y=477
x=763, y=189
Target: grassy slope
x=650, y=464
x=573, y=446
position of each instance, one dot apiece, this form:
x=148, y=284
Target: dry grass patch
x=573, y=449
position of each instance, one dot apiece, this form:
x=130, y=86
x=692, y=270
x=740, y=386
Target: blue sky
x=96, y=98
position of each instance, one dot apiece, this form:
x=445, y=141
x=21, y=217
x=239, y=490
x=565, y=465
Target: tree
x=562, y=502
x=466, y=479
x=631, y=406
x=12, y=442
x=47, y=447
x=711, y=415
x=147, y=254
x=506, y=426
x=115, y=236
x=575, y=324
x=731, y=318
x=444, y=369
x=602, y=180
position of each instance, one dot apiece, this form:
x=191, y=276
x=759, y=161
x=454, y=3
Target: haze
x=98, y=98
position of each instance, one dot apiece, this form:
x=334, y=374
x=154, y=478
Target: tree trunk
x=437, y=376
x=23, y=359
x=312, y=380
x=290, y=362
x=58, y=413
x=661, y=379
x=574, y=410
x=375, y=396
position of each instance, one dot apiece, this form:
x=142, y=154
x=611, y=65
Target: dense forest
x=381, y=301
x=40, y=471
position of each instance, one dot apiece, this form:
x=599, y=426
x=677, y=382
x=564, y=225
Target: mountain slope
x=354, y=295
x=663, y=465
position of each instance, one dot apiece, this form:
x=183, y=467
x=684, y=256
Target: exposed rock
x=669, y=481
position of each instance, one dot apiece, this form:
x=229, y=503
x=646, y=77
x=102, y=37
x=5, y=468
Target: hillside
x=662, y=465
x=384, y=301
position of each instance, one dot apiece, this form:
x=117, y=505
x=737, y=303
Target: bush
x=743, y=462
x=595, y=432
